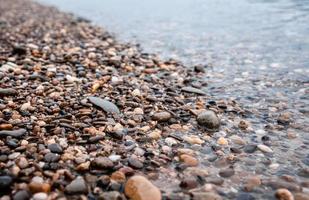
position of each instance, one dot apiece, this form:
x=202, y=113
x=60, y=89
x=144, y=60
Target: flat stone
x=162, y=116
x=77, y=186
x=250, y=148
x=205, y=196
x=264, y=148
x=193, y=90
x=51, y=157
x=209, y=120
x=225, y=173
x=107, y=106
x=135, y=163
x=55, y=148
x=40, y=196
x=7, y=92
x=36, y=187
x=189, y=160
x=14, y=133
x=140, y=188
x=103, y=163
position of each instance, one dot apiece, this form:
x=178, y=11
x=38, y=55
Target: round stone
x=209, y=120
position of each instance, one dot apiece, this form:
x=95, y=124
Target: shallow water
x=259, y=51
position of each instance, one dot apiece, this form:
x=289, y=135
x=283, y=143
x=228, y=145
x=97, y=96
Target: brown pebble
x=284, y=194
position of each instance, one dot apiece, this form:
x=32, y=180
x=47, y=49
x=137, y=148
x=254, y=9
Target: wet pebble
x=102, y=163
x=21, y=195
x=225, y=173
x=264, y=148
x=135, y=163
x=162, y=116
x=107, y=106
x=140, y=188
x=5, y=182
x=250, y=148
x=284, y=194
x=55, y=148
x=40, y=196
x=209, y=119
x=77, y=186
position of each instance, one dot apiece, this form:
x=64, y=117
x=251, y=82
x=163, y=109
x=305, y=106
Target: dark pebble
x=135, y=163
x=102, y=163
x=107, y=106
x=51, y=157
x=7, y=92
x=209, y=120
x=245, y=196
x=55, y=148
x=193, y=90
x=21, y=195
x=5, y=182
x=225, y=173
x=250, y=148
x=15, y=133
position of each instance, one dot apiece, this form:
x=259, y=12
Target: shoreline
x=85, y=116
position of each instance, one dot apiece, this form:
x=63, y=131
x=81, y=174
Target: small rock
x=6, y=126
x=264, y=148
x=21, y=195
x=83, y=166
x=188, y=160
x=102, y=163
x=107, y=106
x=39, y=196
x=140, y=188
x=135, y=163
x=189, y=183
x=36, y=187
x=209, y=119
x=225, y=173
x=222, y=141
x=118, y=176
x=162, y=116
x=22, y=162
x=14, y=133
x=250, y=148
x=5, y=182
x=7, y=92
x=284, y=194
x=170, y=141
x=51, y=157
x=206, y=196
x=245, y=196
x=193, y=139
x=193, y=90
x=77, y=186
x=252, y=182
x=301, y=196
x=55, y=148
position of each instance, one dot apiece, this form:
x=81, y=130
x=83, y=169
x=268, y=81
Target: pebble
x=14, y=133
x=77, y=186
x=193, y=139
x=193, y=90
x=245, y=196
x=135, y=163
x=225, y=173
x=205, y=196
x=40, y=196
x=21, y=195
x=5, y=182
x=209, y=119
x=140, y=188
x=301, y=196
x=252, y=182
x=22, y=162
x=162, y=116
x=51, y=157
x=264, y=148
x=36, y=187
x=222, y=141
x=107, y=106
x=102, y=163
x=284, y=194
x=170, y=141
x=55, y=148
x=188, y=160
x=7, y=92
x=250, y=148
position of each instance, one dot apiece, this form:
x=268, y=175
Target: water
x=258, y=50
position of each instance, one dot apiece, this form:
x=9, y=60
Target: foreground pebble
x=139, y=188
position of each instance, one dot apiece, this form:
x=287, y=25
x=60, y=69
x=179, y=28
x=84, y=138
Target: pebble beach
x=83, y=116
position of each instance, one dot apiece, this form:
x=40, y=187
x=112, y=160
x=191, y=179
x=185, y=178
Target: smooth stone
x=36, y=187
x=5, y=182
x=188, y=183
x=112, y=195
x=22, y=162
x=225, y=173
x=21, y=195
x=51, y=157
x=284, y=194
x=40, y=196
x=103, y=163
x=206, y=196
x=264, y=148
x=162, y=116
x=277, y=184
x=301, y=196
x=209, y=119
x=7, y=92
x=107, y=106
x=189, y=160
x=140, y=188
x=55, y=148
x=135, y=163
x=14, y=133
x=77, y=186
x=250, y=148
x=193, y=90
